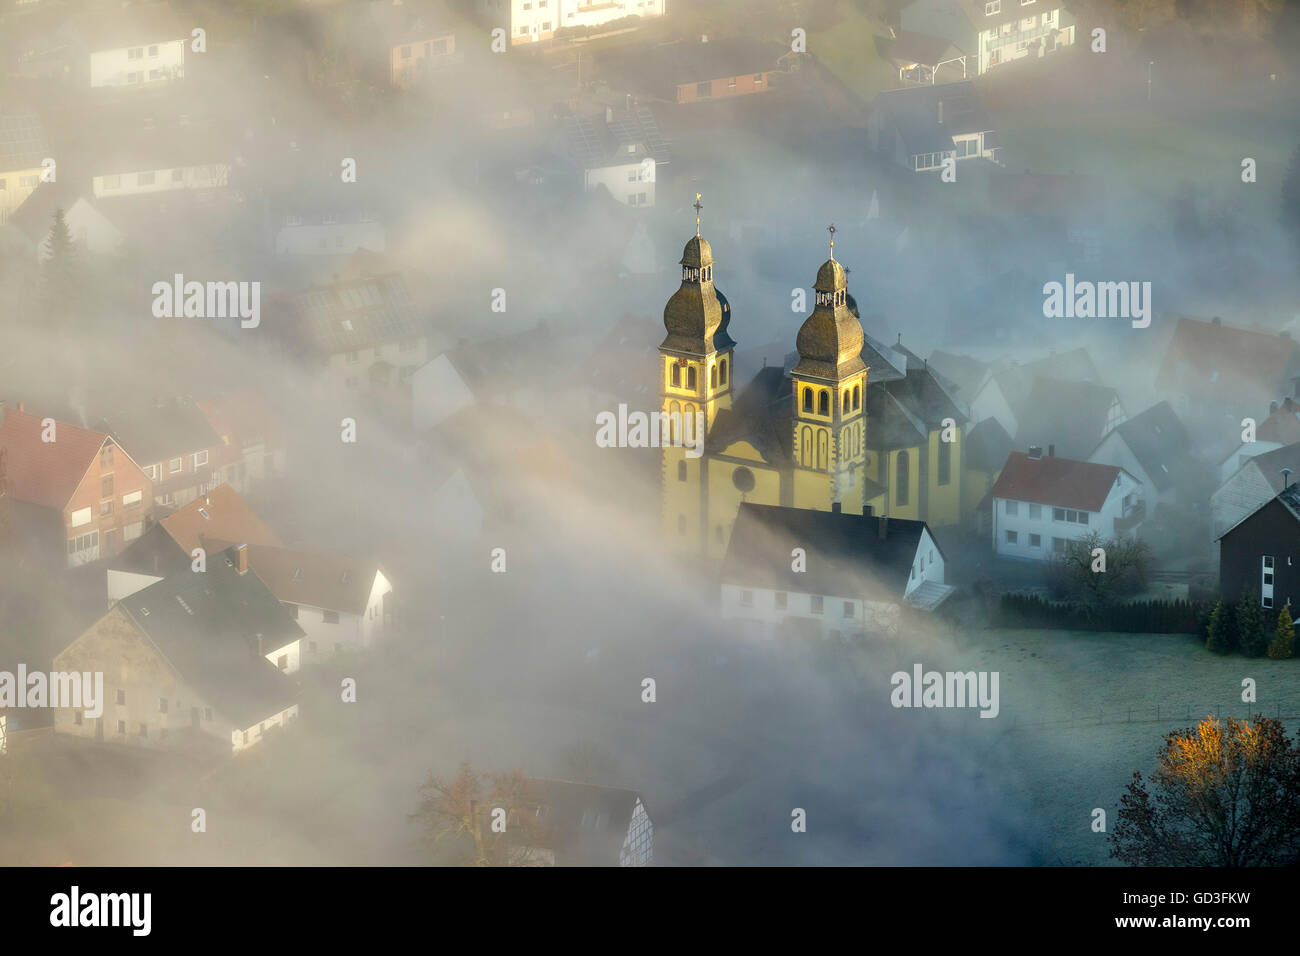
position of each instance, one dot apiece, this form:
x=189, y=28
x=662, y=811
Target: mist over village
x=668, y=433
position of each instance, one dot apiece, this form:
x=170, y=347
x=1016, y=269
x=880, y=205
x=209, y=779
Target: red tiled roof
x=228, y=518
x=1060, y=482
x=46, y=473
x=1282, y=426
x=1212, y=350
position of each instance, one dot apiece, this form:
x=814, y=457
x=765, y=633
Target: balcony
x=1132, y=517
x=1003, y=39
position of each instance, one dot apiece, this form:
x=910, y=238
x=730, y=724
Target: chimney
x=609, y=114
x=260, y=652
x=1286, y=478
x=882, y=526
x=22, y=406
x=941, y=112
x=1216, y=321
x=1272, y=406
x=1289, y=404
x=866, y=511
x=1035, y=452
x=836, y=507
x=241, y=558
x=1051, y=451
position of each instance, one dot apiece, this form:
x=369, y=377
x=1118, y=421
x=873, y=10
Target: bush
x=1139, y=617
x=1223, y=633
x=1252, y=627
x=1283, y=645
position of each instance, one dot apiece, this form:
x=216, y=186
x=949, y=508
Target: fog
x=522, y=669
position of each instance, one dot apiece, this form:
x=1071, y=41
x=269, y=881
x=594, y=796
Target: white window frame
x=179, y=463
x=200, y=458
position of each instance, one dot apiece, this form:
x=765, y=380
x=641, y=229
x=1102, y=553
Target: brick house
x=79, y=496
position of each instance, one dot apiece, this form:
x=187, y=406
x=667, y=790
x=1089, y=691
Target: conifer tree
x=1223, y=628
x=1283, y=645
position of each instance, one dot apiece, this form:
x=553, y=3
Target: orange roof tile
x=46, y=473
x=1060, y=482
x=221, y=514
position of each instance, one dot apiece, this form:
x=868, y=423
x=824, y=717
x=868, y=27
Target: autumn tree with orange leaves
x=1224, y=794
x=457, y=815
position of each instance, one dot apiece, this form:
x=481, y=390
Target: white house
x=1005, y=393
x=530, y=21
x=1259, y=479
x=1040, y=502
x=141, y=46
x=621, y=151
x=992, y=32
x=582, y=824
x=921, y=126
x=1155, y=448
x=89, y=228
x=857, y=572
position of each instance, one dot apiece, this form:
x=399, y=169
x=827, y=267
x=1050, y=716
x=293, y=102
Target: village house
x=252, y=438
x=531, y=21
x=78, y=496
x=1280, y=428
x=1004, y=395
x=700, y=71
x=1041, y=502
x=511, y=370
x=986, y=450
x=992, y=32
x=1156, y=449
x=152, y=152
x=413, y=40
x=185, y=660
x=1259, y=556
x=30, y=226
x=1259, y=479
x=136, y=46
x=583, y=824
x=23, y=147
x=926, y=59
x=918, y=127
x=362, y=331
x=172, y=440
x=858, y=572
x=619, y=150
x=1222, y=372
x=168, y=546
x=1070, y=416
x=327, y=218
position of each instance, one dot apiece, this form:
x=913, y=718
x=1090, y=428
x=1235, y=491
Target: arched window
x=677, y=375
x=723, y=377
x=681, y=471
x=690, y=378
x=846, y=400
x=857, y=397
x=688, y=421
x=823, y=448
x=823, y=402
x=807, y=400
x=674, y=423
x=805, y=445
x=903, y=478
x=713, y=376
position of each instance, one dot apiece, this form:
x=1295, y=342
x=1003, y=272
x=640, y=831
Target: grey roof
x=595, y=142
x=1272, y=462
x=915, y=112
x=1160, y=443
x=846, y=555
x=967, y=374
x=928, y=398
x=761, y=415
x=354, y=314
x=207, y=627
x=153, y=430
x=530, y=355
x=582, y=823
x=986, y=446
x=940, y=18
x=890, y=424
x=884, y=363
x=1068, y=414
x=22, y=141
x=1016, y=380
x=155, y=552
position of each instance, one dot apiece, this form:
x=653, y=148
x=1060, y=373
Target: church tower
x=829, y=381
x=695, y=368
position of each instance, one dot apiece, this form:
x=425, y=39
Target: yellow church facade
x=844, y=424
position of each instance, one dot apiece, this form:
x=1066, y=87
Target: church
x=842, y=425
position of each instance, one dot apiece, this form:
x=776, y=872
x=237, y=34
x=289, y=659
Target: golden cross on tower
x=697, y=205
x=832, y=230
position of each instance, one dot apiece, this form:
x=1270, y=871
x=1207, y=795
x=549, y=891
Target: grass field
x=1067, y=700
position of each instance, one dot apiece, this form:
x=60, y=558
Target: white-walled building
x=1040, y=502
x=156, y=59
x=1154, y=448
x=989, y=33
x=1259, y=479
x=858, y=570
x=530, y=21
x=621, y=151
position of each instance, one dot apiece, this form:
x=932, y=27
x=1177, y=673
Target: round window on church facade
x=743, y=479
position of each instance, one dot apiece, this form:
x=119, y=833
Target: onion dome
x=697, y=315
x=830, y=340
